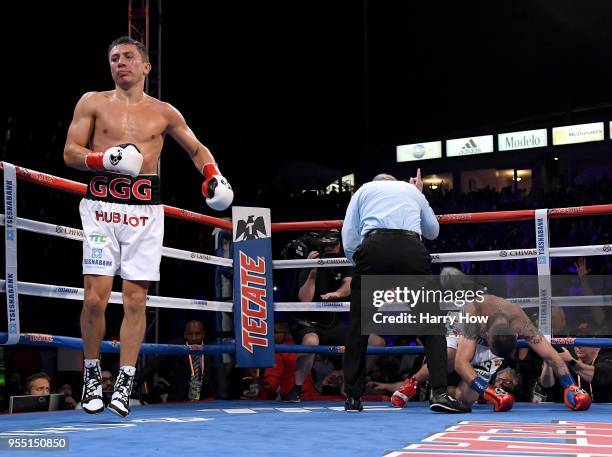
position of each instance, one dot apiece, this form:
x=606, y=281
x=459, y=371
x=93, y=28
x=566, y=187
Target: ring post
x=10, y=242
x=544, y=283
x=253, y=288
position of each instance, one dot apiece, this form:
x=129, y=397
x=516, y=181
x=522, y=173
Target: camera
x=311, y=241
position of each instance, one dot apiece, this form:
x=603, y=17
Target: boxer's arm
x=178, y=129
x=80, y=131
x=466, y=348
x=543, y=348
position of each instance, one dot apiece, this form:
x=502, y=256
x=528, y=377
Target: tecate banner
x=522, y=140
x=581, y=133
x=419, y=151
x=253, y=294
x=470, y=145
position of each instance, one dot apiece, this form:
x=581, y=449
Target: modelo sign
x=469, y=145
x=522, y=140
x=419, y=151
x=581, y=133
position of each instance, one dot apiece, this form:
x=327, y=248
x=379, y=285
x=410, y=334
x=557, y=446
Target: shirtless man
x=122, y=215
x=482, y=344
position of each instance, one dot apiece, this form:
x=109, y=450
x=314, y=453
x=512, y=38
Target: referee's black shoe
x=445, y=403
x=353, y=405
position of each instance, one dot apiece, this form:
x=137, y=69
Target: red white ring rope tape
x=78, y=188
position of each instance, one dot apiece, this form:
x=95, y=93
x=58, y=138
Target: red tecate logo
x=253, y=306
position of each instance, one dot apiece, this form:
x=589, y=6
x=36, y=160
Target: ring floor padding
x=321, y=429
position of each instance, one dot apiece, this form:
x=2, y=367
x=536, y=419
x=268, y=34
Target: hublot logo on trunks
x=112, y=217
x=115, y=188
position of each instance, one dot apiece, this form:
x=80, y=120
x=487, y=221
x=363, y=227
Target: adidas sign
x=470, y=148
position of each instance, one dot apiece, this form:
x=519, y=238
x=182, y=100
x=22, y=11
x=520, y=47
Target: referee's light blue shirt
x=386, y=205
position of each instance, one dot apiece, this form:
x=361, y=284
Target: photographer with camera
x=324, y=284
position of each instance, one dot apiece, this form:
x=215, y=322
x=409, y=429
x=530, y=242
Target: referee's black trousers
x=388, y=253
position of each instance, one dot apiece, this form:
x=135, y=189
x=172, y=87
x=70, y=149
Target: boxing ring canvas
x=258, y=428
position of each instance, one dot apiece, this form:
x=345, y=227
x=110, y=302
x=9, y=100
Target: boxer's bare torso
x=127, y=115
x=114, y=121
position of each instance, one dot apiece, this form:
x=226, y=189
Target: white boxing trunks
x=484, y=362
x=122, y=233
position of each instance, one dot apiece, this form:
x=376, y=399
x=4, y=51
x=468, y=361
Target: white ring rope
x=509, y=254
x=63, y=292
x=76, y=293
x=153, y=301
x=77, y=235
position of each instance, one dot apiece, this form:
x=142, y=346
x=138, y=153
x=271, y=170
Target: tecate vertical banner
x=253, y=288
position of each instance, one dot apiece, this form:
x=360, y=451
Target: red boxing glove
x=408, y=390
x=219, y=194
x=576, y=399
x=209, y=171
x=501, y=400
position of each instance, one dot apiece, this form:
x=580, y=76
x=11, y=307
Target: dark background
x=265, y=84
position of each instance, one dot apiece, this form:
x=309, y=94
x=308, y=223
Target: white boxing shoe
x=91, y=400
x=120, y=401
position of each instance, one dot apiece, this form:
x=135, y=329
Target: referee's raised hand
x=417, y=181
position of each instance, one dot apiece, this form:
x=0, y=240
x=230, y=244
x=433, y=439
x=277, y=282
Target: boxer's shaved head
x=127, y=40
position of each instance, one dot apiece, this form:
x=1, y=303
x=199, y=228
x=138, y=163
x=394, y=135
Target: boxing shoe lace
x=123, y=386
x=92, y=384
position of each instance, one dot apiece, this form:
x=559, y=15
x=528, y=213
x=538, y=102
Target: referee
x=381, y=235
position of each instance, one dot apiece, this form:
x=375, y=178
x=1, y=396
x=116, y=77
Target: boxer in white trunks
x=118, y=135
